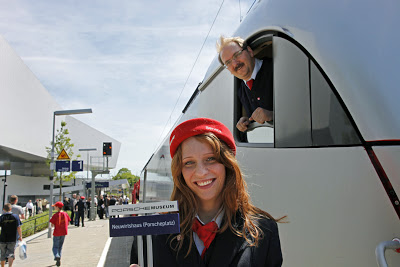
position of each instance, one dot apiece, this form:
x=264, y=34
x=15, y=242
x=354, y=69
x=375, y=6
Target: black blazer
x=227, y=249
x=261, y=94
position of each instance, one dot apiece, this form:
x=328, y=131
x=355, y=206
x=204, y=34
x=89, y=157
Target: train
x=331, y=159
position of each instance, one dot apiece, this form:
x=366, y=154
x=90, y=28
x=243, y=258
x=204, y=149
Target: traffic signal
x=107, y=148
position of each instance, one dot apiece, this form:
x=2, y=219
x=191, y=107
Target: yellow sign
x=63, y=155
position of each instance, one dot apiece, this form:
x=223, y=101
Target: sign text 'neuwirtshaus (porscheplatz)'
x=145, y=225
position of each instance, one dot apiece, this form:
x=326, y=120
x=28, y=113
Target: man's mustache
x=239, y=65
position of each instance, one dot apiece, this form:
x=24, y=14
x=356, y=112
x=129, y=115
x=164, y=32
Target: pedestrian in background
x=10, y=228
x=66, y=204
x=80, y=207
x=44, y=204
x=16, y=209
x=76, y=220
x=107, y=201
x=29, y=207
x=113, y=202
x=59, y=221
x=40, y=205
x=88, y=206
x=72, y=203
x=36, y=206
x=100, y=207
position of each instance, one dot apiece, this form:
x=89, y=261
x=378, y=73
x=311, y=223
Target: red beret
x=58, y=204
x=198, y=126
x=82, y=197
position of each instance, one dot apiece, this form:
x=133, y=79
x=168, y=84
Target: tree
x=62, y=141
x=125, y=173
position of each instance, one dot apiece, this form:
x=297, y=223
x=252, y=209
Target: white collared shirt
x=199, y=243
x=257, y=67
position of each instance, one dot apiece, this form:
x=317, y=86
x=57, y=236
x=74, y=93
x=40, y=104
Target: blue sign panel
x=97, y=184
x=63, y=165
x=145, y=225
x=77, y=165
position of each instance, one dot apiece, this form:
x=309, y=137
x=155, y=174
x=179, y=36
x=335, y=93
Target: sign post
x=147, y=225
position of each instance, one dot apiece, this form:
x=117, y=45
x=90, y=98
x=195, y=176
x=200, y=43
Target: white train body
x=332, y=160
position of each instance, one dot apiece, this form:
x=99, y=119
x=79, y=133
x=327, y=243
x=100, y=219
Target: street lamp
x=92, y=207
x=52, y=164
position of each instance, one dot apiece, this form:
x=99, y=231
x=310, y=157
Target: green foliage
x=35, y=224
x=62, y=141
x=125, y=173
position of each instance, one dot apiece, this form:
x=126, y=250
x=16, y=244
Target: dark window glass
x=330, y=124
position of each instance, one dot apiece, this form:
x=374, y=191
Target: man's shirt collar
x=257, y=67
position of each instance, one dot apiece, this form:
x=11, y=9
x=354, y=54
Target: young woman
x=219, y=225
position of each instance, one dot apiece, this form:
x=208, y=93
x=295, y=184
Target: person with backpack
x=10, y=225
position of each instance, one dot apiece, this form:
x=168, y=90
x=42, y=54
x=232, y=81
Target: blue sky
x=127, y=60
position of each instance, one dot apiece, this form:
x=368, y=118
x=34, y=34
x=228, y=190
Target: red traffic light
x=107, y=149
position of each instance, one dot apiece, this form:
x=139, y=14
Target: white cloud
x=127, y=60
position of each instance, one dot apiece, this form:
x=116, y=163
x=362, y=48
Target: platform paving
x=83, y=246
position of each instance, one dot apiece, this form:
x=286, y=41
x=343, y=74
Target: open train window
x=257, y=134
x=307, y=112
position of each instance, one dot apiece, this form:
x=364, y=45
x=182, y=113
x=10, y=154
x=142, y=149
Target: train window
x=330, y=124
x=257, y=134
x=307, y=112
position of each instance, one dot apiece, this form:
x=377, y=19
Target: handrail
x=380, y=250
x=253, y=125
x=35, y=217
x=35, y=226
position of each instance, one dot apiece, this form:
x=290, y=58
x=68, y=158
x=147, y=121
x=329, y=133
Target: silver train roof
x=354, y=42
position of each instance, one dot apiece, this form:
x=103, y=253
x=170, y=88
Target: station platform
x=83, y=246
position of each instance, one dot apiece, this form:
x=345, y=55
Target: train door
x=315, y=169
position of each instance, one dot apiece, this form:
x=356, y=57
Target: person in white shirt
x=29, y=207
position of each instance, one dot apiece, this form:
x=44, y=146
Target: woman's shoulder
x=267, y=224
x=260, y=220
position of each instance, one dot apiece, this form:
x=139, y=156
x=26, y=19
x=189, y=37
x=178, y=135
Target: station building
x=26, y=128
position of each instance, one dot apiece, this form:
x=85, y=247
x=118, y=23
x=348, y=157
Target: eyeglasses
x=228, y=63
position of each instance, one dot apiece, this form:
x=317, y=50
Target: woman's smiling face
x=203, y=174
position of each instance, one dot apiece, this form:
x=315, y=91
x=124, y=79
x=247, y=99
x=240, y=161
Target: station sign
x=152, y=207
x=145, y=225
x=77, y=165
x=63, y=165
x=97, y=184
x=66, y=166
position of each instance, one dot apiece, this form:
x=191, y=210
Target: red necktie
x=205, y=232
x=250, y=83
